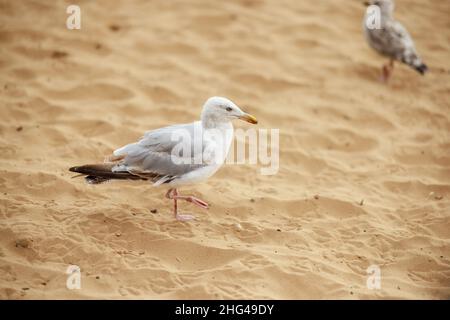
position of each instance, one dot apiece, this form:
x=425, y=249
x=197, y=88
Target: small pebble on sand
x=23, y=243
x=114, y=27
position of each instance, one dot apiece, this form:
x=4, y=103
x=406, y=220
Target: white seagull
x=390, y=38
x=175, y=155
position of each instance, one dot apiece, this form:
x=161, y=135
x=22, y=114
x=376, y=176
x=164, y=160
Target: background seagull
x=391, y=39
x=175, y=155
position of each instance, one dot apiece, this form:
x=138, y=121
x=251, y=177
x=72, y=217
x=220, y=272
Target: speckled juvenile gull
x=175, y=155
x=391, y=39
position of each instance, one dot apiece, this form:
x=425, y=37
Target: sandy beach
x=364, y=175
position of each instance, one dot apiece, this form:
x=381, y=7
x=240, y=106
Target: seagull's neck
x=210, y=122
x=219, y=134
x=386, y=17
x=386, y=14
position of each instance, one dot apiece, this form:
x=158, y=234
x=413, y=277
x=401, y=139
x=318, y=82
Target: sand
x=364, y=175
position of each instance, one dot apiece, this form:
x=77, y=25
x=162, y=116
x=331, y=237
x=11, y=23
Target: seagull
x=391, y=39
x=176, y=155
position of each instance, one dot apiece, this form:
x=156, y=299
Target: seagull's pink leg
x=173, y=194
x=175, y=204
x=194, y=200
x=386, y=71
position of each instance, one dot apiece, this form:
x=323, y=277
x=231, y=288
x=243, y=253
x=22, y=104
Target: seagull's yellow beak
x=249, y=118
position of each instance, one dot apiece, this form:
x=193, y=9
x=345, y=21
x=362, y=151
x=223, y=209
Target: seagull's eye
x=229, y=109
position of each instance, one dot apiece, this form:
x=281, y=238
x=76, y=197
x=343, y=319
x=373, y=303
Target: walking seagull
x=175, y=155
x=389, y=38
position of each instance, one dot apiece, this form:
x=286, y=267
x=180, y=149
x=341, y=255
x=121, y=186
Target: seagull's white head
x=386, y=6
x=220, y=110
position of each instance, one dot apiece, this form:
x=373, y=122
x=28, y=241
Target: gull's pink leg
x=194, y=200
x=386, y=71
x=173, y=194
x=175, y=204
x=385, y=74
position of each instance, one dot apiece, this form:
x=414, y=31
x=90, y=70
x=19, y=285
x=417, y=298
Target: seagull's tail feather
x=422, y=68
x=99, y=173
x=419, y=66
x=414, y=61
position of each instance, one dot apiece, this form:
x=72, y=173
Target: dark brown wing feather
x=98, y=173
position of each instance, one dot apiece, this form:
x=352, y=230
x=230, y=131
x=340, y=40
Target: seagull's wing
x=393, y=40
x=153, y=157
